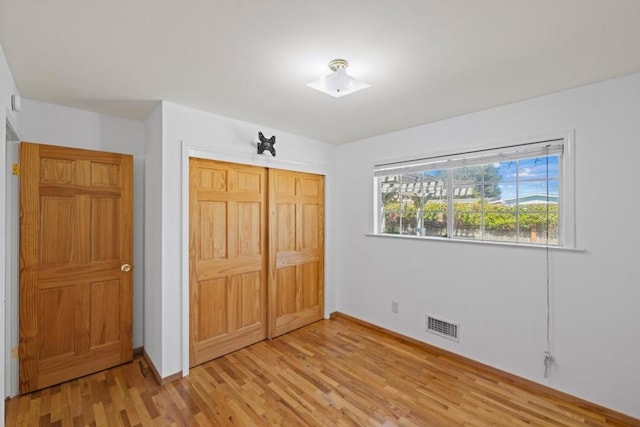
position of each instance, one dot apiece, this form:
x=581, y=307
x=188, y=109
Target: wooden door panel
x=212, y=322
x=249, y=300
x=212, y=231
x=88, y=322
x=211, y=178
x=309, y=285
x=286, y=226
x=228, y=258
x=296, y=290
x=310, y=226
x=56, y=321
x=104, y=174
x=287, y=290
x=75, y=233
x=57, y=230
x=249, y=182
x=310, y=187
x=243, y=291
x=104, y=231
x=249, y=233
x=104, y=312
x=234, y=317
x=56, y=171
x=284, y=184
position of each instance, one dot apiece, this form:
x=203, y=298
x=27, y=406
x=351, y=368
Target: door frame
x=3, y=263
x=9, y=221
x=244, y=158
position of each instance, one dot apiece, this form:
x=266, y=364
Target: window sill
x=475, y=242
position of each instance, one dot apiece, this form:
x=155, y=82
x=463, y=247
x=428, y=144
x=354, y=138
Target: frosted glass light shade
x=338, y=83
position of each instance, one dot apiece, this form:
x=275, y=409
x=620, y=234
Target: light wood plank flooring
x=331, y=373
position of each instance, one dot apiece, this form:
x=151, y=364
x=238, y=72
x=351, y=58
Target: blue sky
x=532, y=176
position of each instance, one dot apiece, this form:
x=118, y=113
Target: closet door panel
x=228, y=257
x=296, y=250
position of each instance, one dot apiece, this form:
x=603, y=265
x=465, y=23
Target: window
x=516, y=194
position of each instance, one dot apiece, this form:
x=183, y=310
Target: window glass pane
x=435, y=185
x=492, y=179
x=500, y=223
x=468, y=175
x=435, y=218
x=536, y=168
x=538, y=191
x=467, y=201
x=411, y=191
x=501, y=215
x=538, y=219
x=435, y=204
x=390, y=204
x=467, y=214
x=538, y=209
x=506, y=171
x=500, y=182
x=508, y=195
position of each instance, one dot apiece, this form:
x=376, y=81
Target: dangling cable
x=548, y=360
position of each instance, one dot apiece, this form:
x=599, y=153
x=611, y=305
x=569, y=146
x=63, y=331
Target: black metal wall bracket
x=266, y=144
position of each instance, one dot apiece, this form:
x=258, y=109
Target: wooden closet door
x=296, y=242
x=228, y=257
x=76, y=247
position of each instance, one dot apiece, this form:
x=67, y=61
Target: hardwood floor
x=335, y=372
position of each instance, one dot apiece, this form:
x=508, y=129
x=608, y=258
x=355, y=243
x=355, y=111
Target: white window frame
x=511, y=149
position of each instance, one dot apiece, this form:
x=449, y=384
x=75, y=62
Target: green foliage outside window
x=497, y=217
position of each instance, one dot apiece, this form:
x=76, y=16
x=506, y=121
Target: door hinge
x=16, y=169
x=14, y=352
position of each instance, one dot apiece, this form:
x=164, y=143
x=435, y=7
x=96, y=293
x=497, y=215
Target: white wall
x=153, y=265
x=7, y=88
x=497, y=294
x=215, y=133
x=57, y=125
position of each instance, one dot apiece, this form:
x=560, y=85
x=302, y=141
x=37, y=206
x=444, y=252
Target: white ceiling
x=426, y=60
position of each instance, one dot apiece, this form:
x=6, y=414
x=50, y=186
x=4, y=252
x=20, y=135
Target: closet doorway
x=256, y=255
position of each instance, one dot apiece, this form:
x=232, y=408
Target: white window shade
x=472, y=158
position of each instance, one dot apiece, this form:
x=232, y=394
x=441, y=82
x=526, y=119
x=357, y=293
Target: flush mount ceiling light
x=338, y=83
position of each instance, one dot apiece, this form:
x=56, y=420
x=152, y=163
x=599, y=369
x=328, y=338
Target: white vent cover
x=443, y=328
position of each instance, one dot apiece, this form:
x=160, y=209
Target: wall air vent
x=443, y=328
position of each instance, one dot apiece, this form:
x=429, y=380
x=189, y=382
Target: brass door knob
x=125, y=267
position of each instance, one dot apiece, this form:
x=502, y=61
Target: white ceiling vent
x=443, y=328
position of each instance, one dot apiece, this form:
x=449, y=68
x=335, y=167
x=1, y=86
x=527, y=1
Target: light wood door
x=296, y=250
x=228, y=257
x=76, y=216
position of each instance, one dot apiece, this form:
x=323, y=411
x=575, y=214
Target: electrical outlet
x=395, y=307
